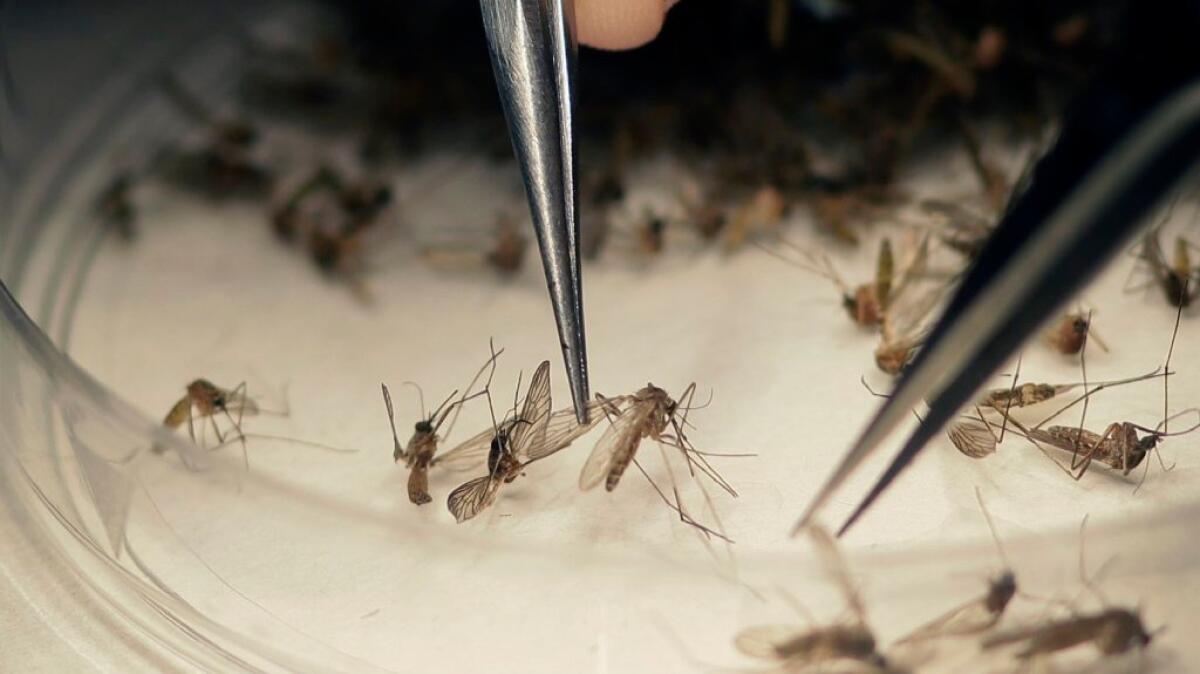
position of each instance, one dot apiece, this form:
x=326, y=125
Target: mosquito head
x=424, y=426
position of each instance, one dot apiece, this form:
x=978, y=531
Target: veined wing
x=762, y=641
x=564, y=428
x=616, y=438
x=470, y=498
x=972, y=438
x=969, y=618
x=835, y=565
x=468, y=454
x=529, y=429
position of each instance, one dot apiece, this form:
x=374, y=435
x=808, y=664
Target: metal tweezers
x=532, y=44
x=1125, y=143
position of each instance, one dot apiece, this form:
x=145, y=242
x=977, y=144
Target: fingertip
x=619, y=24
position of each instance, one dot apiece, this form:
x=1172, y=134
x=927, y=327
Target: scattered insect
x=222, y=168
x=115, y=209
x=418, y=453
x=206, y=400
x=966, y=232
x=866, y=304
x=1120, y=446
x=1071, y=331
x=977, y=615
x=512, y=444
x=506, y=253
x=1176, y=277
x=648, y=414
x=1113, y=631
x=797, y=649
x=762, y=212
x=651, y=234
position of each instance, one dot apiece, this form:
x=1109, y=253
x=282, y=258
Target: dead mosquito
x=1071, y=331
x=797, y=648
x=1113, y=631
x=419, y=451
x=762, y=212
x=205, y=400
x=866, y=304
x=651, y=414
x=115, y=208
x=1120, y=446
x=980, y=614
x=1176, y=276
x=222, y=167
x=505, y=252
x=512, y=444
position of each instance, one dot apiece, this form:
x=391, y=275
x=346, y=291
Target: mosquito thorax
x=499, y=448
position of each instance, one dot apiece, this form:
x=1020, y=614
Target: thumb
x=619, y=24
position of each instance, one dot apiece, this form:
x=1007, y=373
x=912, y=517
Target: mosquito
x=419, y=452
x=652, y=414
x=980, y=614
x=761, y=212
x=116, y=210
x=1176, y=276
x=1113, y=631
x=222, y=167
x=205, y=400
x=1123, y=445
x=505, y=252
x=1071, y=331
x=796, y=648
x=866, y=304
x=512, y=444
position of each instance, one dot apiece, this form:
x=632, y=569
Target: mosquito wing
x=762, y=641
x=972, y=438
x=238, y=403
x=470, y=498
x=836, y=567
x=969, y=618
x=563, y=429
x=616, y=438
x=467, y=455
x=529, y=430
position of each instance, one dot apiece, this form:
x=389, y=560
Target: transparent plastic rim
x=71, y=564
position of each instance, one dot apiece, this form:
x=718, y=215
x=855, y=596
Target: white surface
x=551, y=579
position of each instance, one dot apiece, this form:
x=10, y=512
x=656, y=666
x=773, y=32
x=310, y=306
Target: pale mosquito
x=652, y=414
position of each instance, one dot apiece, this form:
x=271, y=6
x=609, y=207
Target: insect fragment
x=1179, y=279
x=1112, y=631
x=1071, y=331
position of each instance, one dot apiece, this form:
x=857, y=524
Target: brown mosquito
x=115, y=208
x=205, y=400
x=512, y=444
x=505, y=252
x=1071, y=331
x=979, y=614
x=652, y=414
x=1179, y=279
x=1113, y=631
x=867, y=303
x=763, y=211
x=419, y=451
x=797, y=648
x=1123, y=445
x=222, y=167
